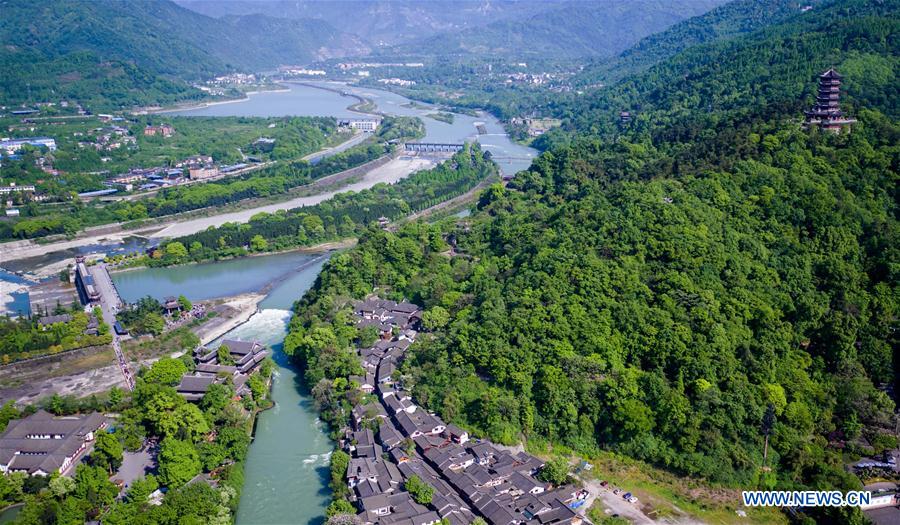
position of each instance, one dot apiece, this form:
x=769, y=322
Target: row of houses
x=246, y=356
x=392, y=439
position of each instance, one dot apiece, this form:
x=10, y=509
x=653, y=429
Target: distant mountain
x=726, y=21
x=600, y=28
x=381, y=22
x=135, y=51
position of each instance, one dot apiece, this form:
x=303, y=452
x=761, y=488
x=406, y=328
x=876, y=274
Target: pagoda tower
x=827, y=114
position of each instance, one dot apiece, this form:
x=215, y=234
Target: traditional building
x=42, y=444
x=827, y=114
x=247, y=357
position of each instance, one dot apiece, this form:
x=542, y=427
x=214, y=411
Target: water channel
x=286, y=472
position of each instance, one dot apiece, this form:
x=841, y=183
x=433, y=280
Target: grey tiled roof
x=24, y=445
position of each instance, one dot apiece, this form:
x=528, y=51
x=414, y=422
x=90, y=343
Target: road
x=389, y=173
x=110, y=302
x=316, y=157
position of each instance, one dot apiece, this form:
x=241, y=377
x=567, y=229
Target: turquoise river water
x=286, y=472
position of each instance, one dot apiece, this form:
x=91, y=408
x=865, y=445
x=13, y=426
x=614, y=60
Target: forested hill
x=564, y=30
x=142, y=51
x=732, y=19
x=770, y=72
x=601, y=301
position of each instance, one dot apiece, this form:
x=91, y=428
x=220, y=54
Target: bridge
x=432, y=147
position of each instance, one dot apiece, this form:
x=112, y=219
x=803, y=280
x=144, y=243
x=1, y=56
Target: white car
x=633, y=499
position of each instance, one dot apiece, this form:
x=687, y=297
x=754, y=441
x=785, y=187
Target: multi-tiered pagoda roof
x=827, y=112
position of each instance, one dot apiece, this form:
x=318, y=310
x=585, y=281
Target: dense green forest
x=729, y=20
x=120, y=54
x=343, y=216
x=766, y=74
x=659, y=318
x=657, y=289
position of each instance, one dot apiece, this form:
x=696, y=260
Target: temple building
x=827, y=114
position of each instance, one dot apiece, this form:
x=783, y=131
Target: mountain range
x=563, y=30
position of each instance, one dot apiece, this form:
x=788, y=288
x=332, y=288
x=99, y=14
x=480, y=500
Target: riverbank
x=384, y=170
x=241, y=307
x=320, y=248
x=390, y=172
x=201, y=105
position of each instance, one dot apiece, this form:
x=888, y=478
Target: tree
x=11, y=487
x=258, y=243
x=257, y=387
x=154, y=323
x=211, y=455
x=107, y=453
x=184, y=303
x=61, y=485
x=115, y=397
x=338, y=507
x=235, y=440
x=435, y=318
x=179, y=462
x=92, y=485
x=175, y=250
x=555, y=471
x=223, y=354
x=216, y=398
x=768, y=423
x=367, y=336
x=167, y=371
x=340, y=460
x=141, y=488
x=191, y=423
x=8, y=412
x=419, y=490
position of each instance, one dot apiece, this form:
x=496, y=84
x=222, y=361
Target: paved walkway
x=110, y=302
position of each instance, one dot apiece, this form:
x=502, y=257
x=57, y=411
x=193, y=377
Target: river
x=286, y=472
x=304, y=99
x=299, y=100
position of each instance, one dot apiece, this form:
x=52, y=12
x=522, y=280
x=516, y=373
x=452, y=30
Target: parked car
x=604, y=483
x=617, y=491
x=633, y=499
x=626, y=495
